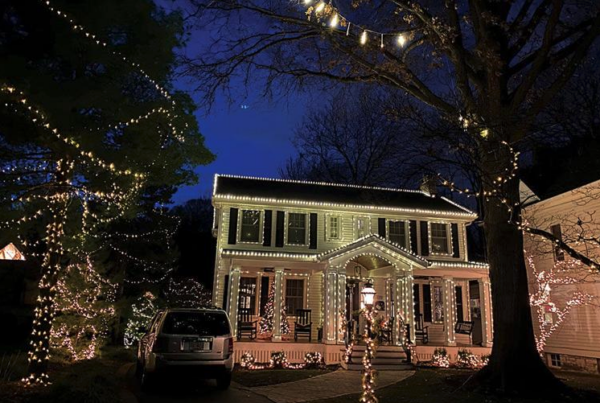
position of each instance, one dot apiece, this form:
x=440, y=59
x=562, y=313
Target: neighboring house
x=569, y=210
x=320, y=243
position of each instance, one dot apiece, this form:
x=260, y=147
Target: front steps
x=387, y=358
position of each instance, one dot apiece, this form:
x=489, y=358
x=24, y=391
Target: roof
x=333, y=194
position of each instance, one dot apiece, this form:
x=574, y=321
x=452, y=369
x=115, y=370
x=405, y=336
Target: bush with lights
x=314, y=360
x=466, y=359
x=440, y=358
x=142, y=312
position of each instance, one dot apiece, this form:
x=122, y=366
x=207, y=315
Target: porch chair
x=385, y=333
x=245, y=324
x=465, y=327
x=303, y=324
x=421, y=331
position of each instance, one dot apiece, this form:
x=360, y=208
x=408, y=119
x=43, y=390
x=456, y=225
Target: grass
x=266, y=377
x=446, y=386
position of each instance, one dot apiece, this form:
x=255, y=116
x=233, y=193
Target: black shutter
x=459, y=304
x=417, y=302
x=267, y=227
x=455, y=248
x=226, y=293
x=413, y=236
x=264, y=293
x=313, y=231
x=233, y=217
x=424, y=239
x=426, y=303
x=279, y=229
x=381, y=227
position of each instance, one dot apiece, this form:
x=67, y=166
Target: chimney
x=429, y=185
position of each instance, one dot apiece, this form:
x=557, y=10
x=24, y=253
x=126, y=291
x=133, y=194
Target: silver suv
x=190, y=340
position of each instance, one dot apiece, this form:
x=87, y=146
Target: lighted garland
x=466, y=359
x=279, y=360
x=440, y=358
x=369, y=373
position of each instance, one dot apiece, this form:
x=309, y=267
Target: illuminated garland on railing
x=279, y=360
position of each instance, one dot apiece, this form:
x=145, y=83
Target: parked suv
x=195, y=341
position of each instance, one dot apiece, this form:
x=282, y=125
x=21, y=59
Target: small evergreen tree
x=266, y=321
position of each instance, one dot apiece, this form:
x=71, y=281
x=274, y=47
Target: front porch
x=432, y=298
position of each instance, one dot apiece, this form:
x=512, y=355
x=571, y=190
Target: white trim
x=340, y=236
x=261, y=231
x=450, y=247
x=306, y=229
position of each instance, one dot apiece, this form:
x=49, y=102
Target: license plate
x=199, y=345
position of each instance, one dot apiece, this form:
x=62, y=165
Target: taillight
x=230, y=350
x=161, y=345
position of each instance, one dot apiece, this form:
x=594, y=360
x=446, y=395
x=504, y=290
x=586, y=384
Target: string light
x=363, y=38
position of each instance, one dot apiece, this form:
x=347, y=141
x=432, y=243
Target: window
x=438, y=304
x=247, y=294
x=296, y=229
x=439, y=238
x=360, y=226
x=294, y=295
x=459, y=303
x=559, y=254
x=397, y=232
x=334, y=227
x=250, y=231
x=555, y=360
x=196, y=323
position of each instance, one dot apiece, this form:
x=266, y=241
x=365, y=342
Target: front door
x=353, y=305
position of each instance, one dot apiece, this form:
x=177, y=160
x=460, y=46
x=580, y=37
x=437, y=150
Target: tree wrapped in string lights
x=84, y=311
x=88, y=136
x=265, y=325
x=187, y=293
x=142, y=312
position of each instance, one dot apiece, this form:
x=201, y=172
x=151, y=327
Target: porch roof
x=377, y=240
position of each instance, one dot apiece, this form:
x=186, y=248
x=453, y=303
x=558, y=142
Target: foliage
x=187, y=293
x=314, y=360
x=142, y=312
x=466, y=359
x=266, y=321
x=440, y=358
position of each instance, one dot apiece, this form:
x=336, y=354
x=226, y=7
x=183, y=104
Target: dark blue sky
x=253, y=141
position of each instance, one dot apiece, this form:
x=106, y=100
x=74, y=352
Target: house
x=319, y=244
x=566, y=311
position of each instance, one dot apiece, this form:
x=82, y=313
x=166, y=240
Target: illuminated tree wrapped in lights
x=87, y=137
x=266, y=321
x=84, y=311
x=142, y=312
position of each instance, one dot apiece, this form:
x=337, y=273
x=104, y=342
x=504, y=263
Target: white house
x=570, y=306
x=320, y=243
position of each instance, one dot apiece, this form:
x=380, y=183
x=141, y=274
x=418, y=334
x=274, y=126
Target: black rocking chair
x=245, y=324
x=421, y=331
x=385, y=333
x=464, y=327
x=303, y=325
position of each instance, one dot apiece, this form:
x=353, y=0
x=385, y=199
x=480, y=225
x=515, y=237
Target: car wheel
x=224, y=381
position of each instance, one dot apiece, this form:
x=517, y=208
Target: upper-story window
x=250, y=226
x=361, y=226
x=296, y=231
x=439, y=238
x=334, y=230
x=397, y=232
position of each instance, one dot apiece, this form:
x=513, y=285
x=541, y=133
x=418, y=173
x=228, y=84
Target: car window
x=196, y=323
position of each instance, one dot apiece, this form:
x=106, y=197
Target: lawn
x=265, y=377
x=447, y=386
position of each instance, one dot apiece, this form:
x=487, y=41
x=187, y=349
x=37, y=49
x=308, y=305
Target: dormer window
x=439, y=238
x=250, y=226
x=296, y=231
x=397, y=232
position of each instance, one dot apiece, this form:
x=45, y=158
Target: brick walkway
x=334, y=384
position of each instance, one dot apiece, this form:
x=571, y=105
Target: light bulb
x=320, y=7
x=334, y=20
x=401, y=40
x=363, y=38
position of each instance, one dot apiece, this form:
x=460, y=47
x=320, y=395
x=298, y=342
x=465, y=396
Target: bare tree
x=493, y=64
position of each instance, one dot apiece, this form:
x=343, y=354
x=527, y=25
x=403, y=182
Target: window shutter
x=267, y=227
x=279, y=229
x=417, y=301
x=413, y=236
x=455, y=247
x=424, y=238
x=426, y=303
x=313, y=231
x=233, y=217
x=226, y=293
x=381, y=227
x=264, y=293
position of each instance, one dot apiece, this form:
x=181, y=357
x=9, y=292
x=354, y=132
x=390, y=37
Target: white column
x=331, y=287
x=485, y=302
x=278, y=304
x=234, y=291
x=449, y=311
x=410, y=304
x=341, y=303
x=399, y=306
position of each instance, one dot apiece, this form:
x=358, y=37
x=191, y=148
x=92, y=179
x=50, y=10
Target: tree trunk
x=515, y=365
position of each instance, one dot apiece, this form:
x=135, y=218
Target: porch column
x=341, y=302
x=331, y=289
x=278, y=304
x=234, y=291
x=449, y=311
x=486, y=311
x=410, y=304
x=399, y=306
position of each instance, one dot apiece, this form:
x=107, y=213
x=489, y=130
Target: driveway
x=204, y=391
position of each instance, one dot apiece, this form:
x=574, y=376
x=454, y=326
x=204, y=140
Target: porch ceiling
x=370, y=262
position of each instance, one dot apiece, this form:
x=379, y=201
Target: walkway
x=334, y=384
